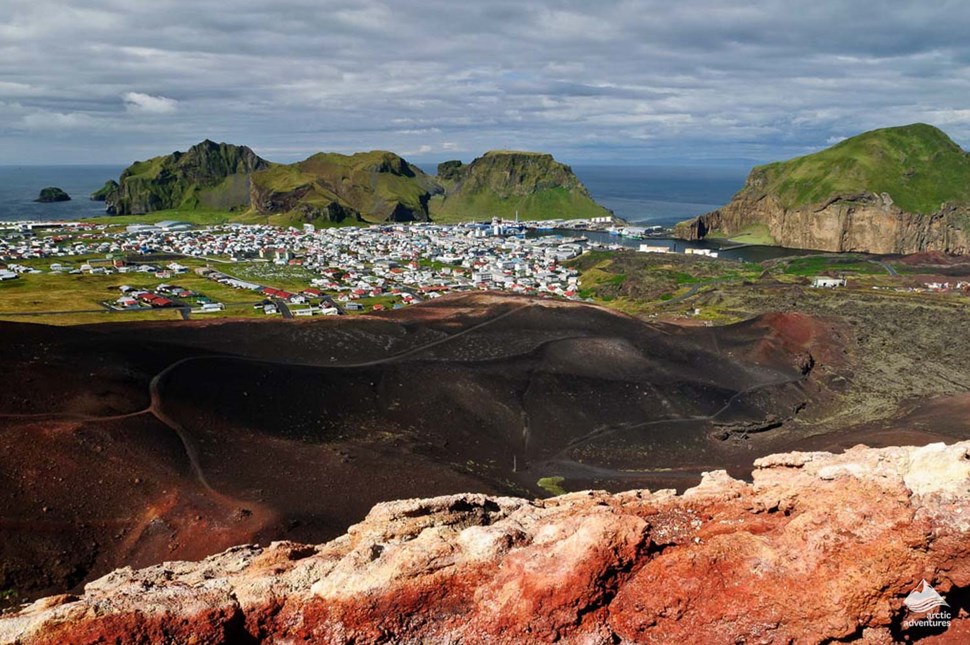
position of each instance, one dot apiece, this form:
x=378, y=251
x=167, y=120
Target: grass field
x=811, y=266
x=191, y=216
x=755, y=234
x=81, y=292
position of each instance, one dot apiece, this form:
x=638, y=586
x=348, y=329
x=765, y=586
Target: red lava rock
x=818, y=548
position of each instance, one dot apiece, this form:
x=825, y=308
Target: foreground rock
x=818, y=548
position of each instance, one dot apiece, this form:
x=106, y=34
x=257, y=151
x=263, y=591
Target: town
x=399, y=263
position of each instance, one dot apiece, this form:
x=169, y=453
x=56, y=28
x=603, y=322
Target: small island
x=52, y=194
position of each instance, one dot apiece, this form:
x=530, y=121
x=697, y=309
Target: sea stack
x=52, y=194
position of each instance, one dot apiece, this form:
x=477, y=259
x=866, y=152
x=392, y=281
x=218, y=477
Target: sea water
x=648, y=195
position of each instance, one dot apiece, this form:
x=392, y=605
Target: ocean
x=661, y=195
x=650, y=195
x=20, y=185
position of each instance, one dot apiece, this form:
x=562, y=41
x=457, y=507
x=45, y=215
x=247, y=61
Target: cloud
x=146, y=103
x=617, y=80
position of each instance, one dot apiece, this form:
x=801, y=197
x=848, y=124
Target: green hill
x=501, y=182
x=331, y=188
x=208, y=175
x=918, y=165
x=374, y=186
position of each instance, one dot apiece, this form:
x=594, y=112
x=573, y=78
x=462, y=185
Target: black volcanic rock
x=52, y=194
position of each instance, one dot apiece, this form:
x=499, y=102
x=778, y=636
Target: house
x=823, y=282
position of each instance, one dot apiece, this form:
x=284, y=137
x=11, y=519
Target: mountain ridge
x=331, y=188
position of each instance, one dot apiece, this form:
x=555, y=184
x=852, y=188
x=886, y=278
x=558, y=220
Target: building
x=823, y=282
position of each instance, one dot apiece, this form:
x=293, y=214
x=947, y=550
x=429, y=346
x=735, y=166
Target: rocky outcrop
x=818, y=548
x=376, y=186
x=864, y=222
x=208, y=175
x=503, y=183
x=894, y=190
x=52, y=194
x=106, y=192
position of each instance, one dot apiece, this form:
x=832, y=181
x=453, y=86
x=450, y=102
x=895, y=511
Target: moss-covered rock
x=376, y=186
x=502, y=182
x=209, y=174
x=450, y=170
x=52, y=194
x=108, y=191
x=894, y=190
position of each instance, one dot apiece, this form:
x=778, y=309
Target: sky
x=686, y=82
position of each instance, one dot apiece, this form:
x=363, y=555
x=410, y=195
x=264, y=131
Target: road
x=888, y=267
x=283, y=307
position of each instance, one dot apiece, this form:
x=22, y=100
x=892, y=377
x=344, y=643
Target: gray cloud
x=697, y=81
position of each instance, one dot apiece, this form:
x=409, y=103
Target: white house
x=822, y=282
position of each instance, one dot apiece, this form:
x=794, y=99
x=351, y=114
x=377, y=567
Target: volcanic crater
x=129, y=444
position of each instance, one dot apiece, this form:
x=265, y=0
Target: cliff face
x=106, y=192
x=213, y=175
x=375, y=186
x=818, y=548
x=895, y=190
x=863, y=222
x=499, y=183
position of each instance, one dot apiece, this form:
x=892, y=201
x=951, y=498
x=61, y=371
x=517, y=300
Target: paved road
x=888, y=267
x=283, y=307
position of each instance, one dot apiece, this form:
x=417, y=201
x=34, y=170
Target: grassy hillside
x=918, y=165
x=501, y=182
x=209, y=175
x=376, y=186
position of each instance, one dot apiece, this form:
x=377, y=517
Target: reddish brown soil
x=134, y=443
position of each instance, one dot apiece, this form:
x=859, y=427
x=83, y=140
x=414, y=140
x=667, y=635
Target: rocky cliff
x=208, y=175
x=818, y=548
x=896, y=190
x=107, y=191
x=376, y=186
x=501, y=183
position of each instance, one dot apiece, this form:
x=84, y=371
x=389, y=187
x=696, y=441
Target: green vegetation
x=329, y=187
x=918, y=165
x=199, y=217
x=52, y=194
x=757, y=234
x=499, y=183
x=291, y=278
x=814, y=265
x=82, y=294
x=552, y=485
x=108, y=191
x=209, y=175
x=636, y=282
